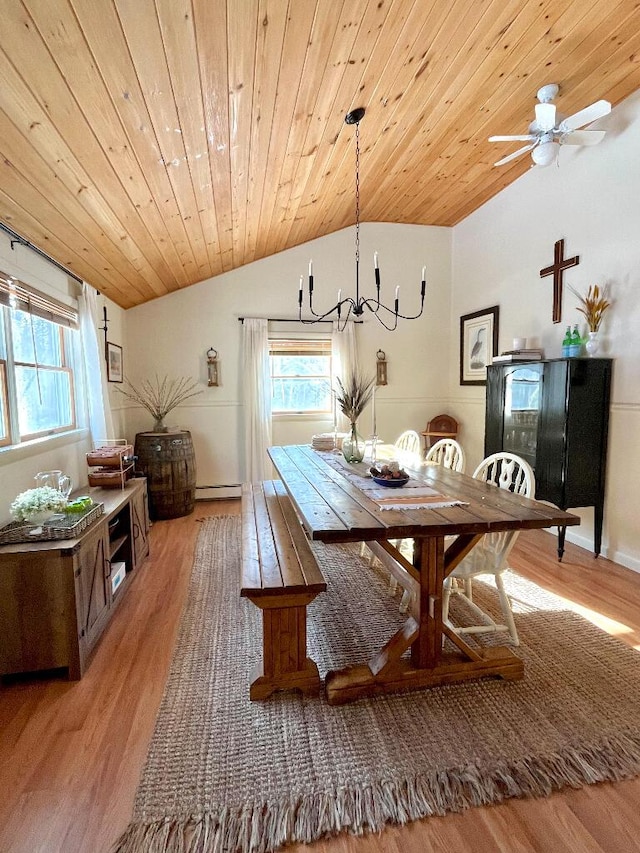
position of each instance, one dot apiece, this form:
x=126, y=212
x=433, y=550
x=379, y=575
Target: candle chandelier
x=344, y=308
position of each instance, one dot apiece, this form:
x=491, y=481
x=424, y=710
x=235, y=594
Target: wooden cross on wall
x=556, y=269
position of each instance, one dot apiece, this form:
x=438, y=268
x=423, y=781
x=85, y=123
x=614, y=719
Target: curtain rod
x=16, y=238
x=282, y=320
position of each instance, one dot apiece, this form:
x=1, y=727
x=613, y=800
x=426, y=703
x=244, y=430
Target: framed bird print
x=478, y=344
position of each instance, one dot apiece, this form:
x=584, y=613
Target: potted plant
x=160, y=396
x=37, y=505
x=593, y=307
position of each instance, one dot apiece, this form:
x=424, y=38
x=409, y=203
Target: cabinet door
x=522, y=400
x=93, y=587
x=494, y=412
x=140, y=525
x=587, y=422
x=551, y=473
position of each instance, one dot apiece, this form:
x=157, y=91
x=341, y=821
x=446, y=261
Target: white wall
x=171, y=336
x=592, y=201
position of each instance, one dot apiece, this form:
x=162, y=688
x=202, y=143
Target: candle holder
x=381, y=368
x=213, y=368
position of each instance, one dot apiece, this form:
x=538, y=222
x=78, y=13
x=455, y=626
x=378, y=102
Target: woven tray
x=58, y=527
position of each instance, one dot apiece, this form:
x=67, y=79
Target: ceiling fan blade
x=515, y=154
x=583, y=137
x=585, y=116
x=525, y=137
x=545, y=116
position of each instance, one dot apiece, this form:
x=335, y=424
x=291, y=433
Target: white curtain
x=257, y=398
x=100, y=422
x=344, y=360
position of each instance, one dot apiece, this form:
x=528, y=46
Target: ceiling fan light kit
x=550, y=130
x=545, y=153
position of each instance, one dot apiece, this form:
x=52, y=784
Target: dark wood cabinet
x=58, y=596
x=555, y=414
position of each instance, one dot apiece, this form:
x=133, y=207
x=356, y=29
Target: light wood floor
x=71, y=753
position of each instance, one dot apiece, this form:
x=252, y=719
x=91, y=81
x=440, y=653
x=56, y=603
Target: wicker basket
x=58, y=527
x=110, y=478
x=110, y=456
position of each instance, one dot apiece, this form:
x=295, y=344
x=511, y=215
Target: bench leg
x=285, y=664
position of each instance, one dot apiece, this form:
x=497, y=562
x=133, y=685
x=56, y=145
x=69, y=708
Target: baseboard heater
x=219, y=491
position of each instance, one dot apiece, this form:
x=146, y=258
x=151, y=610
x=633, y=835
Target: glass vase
x=159, y=426
x=353, y=445
x=593, y=344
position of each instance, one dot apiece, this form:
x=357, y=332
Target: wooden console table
x=56, y=596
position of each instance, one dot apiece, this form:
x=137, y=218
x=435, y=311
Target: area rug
x=227, y=774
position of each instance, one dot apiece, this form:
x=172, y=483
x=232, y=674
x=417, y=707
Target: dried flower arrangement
x=592, y=306
x=353, y=396
x=161, y=396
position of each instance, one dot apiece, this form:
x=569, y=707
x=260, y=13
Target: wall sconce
x=213, y=368
x=381, y=368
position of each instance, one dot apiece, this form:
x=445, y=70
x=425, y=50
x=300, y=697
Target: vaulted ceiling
x=150, y=144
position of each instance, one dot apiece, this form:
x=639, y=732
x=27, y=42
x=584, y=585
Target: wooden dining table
x=335, y=504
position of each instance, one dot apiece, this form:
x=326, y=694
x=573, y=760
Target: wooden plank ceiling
x=150, y=144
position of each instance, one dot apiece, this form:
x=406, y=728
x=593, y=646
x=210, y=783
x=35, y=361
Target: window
x=5, y=437
x=300, y=375
x=36, y=376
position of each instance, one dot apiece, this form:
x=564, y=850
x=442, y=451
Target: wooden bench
x=280, y=575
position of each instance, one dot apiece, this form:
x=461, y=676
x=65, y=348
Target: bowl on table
x=393, y=483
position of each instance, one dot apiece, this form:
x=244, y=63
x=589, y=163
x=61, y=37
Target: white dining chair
x=447, y=452
x=408, y=448
x=490, y=555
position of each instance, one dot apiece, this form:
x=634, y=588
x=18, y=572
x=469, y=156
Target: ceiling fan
x=550, y=130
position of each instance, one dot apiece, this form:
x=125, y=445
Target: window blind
x=299, y=347
x=17, y=295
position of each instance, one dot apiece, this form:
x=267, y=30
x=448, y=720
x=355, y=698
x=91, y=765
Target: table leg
x=429, y=559
x=423, y=631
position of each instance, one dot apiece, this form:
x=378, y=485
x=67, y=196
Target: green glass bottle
x=576, y=343
x=566, y=343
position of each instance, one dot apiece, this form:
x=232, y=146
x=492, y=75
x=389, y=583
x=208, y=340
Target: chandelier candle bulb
x=300, y=293
x=424, y=275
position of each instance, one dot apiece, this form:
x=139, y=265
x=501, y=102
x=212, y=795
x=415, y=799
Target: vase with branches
x=352, y=397
x=592, y=307
x=160, y=396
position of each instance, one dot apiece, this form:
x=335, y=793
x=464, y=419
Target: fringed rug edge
x=260, y=828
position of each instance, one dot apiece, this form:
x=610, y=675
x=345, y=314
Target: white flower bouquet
x=33, y=502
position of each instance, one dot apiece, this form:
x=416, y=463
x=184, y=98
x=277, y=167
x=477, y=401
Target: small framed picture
x=114, y=363
x=478, y=344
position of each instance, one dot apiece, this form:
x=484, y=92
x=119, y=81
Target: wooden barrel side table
x=167, y=460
